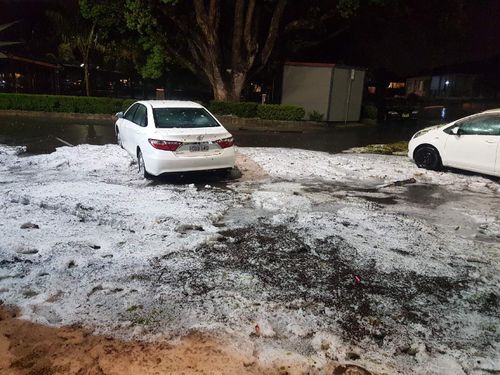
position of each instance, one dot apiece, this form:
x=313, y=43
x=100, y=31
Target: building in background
x=331, y=90
x=475, y=80
x=21, y=74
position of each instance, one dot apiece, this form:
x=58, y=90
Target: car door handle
x=491, y=141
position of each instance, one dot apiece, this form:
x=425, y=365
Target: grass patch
x=397, y=148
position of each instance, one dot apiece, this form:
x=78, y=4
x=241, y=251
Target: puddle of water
x=329, y=139
x=429, y=195
x=39, y=134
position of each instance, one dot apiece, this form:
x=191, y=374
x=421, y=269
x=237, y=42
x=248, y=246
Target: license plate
x=405, y=115
x=198, y=147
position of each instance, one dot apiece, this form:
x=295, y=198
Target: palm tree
x=79, y=39
x=4, y=43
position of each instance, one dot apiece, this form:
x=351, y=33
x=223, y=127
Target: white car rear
x=174, y=136
x=471, y=143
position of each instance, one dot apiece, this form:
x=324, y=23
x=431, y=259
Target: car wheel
x=119, y=138
x=428, y=157
x=142, y=165
x=226, y=173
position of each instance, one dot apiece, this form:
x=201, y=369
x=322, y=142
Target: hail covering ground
x=330, y=260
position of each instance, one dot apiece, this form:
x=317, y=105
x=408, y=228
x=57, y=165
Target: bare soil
x=27, y=348
x=32, y=349
x=249, y=169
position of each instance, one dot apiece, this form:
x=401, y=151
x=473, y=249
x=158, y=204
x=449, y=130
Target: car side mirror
x=119, y=115
x=456, y=130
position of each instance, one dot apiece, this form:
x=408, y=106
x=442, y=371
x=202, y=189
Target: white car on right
x=471, y=143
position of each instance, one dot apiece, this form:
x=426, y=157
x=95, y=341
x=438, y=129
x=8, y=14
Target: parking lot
x=302, y=259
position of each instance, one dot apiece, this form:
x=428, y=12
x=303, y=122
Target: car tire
x=142, y=166
x=427, y=157
x=118, y=138
x=226, y=173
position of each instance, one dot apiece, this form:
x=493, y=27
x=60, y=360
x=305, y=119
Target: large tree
x=218, y=40
x=78, y=39
x=222, y=41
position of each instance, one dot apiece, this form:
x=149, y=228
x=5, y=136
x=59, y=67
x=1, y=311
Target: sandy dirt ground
x=32, y=349
x=248, y=169
x=28, y=348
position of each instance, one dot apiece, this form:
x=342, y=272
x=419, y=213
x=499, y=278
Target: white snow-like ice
x=153, y=260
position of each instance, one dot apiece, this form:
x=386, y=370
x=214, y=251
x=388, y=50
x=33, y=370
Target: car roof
x=495, y=110
x=171, y=103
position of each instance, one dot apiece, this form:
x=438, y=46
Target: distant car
x=471, y=143
x=174, y=136
x=400, y=109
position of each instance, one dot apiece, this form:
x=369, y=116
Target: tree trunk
x=87, y=79
x=203, y=51
x=228, y=90
x=238, y=81
x=89, y=44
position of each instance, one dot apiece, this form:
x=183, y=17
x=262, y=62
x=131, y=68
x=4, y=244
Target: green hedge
x=280, y=112
x=315, y=116
x=240, y=109
x=369, y=110
x=264, y=111
x=83, y=104
x=55, y=103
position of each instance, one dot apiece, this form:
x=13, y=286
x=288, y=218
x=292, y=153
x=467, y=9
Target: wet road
x=40, y=135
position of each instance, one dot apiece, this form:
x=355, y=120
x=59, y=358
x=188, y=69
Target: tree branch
x=187, y=62
x=213, y=14
x=237, y=33
x=247, y=34
x=309, y=23
x=306, y=44
x=273, y=31
x=203, y=22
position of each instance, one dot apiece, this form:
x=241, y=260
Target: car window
x=129, y=115
x=481, y=125
x=183, y=118
x=140, y=116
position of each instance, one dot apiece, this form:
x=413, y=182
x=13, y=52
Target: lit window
x=396, y=85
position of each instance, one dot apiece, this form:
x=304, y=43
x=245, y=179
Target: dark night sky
x=423, y=35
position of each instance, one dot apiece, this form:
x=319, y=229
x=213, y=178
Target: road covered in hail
x=325, y=258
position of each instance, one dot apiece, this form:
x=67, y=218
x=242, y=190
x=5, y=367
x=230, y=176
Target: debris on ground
x=327, y=266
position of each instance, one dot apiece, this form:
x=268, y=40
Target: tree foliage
x=79, y=42
x=222, y=41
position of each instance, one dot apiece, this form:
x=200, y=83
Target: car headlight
x=426, y=130
x=420, y=133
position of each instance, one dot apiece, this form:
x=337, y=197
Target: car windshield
x=183, y=118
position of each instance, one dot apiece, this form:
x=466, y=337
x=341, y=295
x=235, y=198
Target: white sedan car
x=174, y=136
x=471, y=143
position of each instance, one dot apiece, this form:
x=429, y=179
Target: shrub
x=240, y=109
x=315, y=116
x=369, y=110
x=55, y=103
x=280, y=112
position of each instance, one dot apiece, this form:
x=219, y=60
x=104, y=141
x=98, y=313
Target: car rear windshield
x=183, y=118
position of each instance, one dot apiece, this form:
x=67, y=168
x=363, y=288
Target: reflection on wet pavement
x=40, y=134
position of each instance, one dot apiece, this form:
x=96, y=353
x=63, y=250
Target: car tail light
x=226, y=142
x=165, y=145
